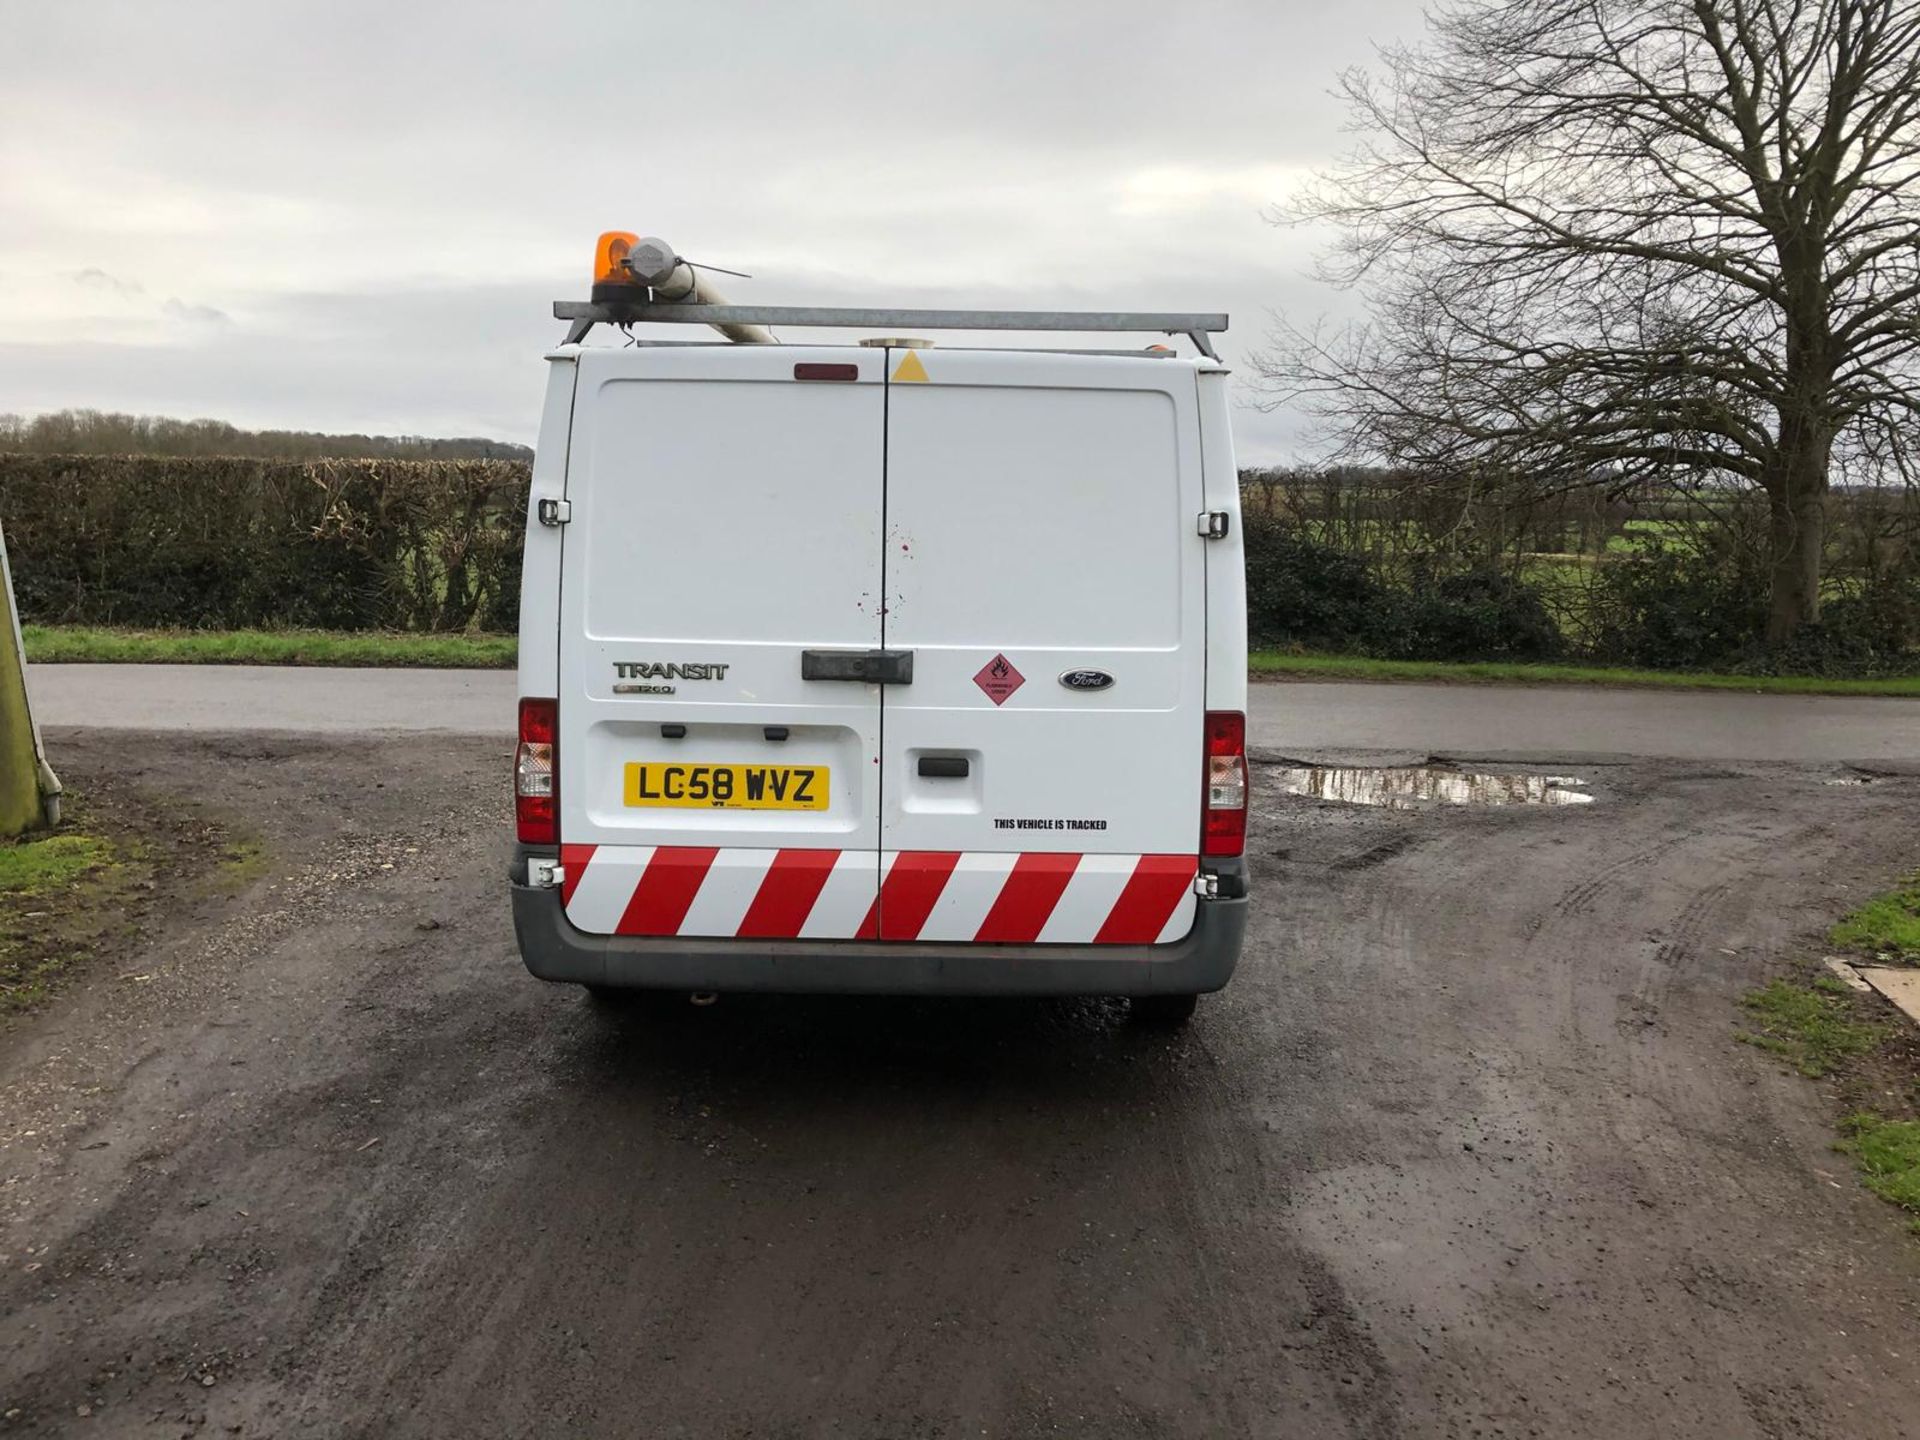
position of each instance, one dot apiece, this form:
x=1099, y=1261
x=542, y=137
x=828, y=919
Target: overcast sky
x=355, y=216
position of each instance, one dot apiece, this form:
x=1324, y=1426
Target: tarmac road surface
x=1294, y=716
x=1466, y=1148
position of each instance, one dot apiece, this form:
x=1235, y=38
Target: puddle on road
x=1403, y=787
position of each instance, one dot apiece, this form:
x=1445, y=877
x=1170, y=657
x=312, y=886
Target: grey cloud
x=467, y=359
x=94, y=278
x=179, y=309
x=390, y=205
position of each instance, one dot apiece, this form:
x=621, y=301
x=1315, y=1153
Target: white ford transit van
x=880, y=669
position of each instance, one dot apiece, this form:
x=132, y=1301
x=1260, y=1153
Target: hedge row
x=434, y=545
x=224, y=543
x=1697, y=606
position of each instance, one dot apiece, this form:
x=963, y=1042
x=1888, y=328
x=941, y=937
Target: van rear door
x=725, y=519
x=1041, y=778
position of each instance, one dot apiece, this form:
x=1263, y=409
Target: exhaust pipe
x=658, y=265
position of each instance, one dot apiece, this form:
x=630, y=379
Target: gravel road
x=1467, y=1148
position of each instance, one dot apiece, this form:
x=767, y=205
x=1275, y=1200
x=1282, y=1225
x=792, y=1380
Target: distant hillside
x=93, y=432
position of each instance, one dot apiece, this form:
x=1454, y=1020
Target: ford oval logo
x=1085, y=679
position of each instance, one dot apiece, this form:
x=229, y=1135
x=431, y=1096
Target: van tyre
x=1163, y=1012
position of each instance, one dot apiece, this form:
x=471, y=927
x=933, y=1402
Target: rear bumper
x=554, y=950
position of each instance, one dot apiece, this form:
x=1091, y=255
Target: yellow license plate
x=727, y=787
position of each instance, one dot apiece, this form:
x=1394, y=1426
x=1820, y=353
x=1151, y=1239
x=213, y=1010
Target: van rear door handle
x=943, y=767
x=872, y=667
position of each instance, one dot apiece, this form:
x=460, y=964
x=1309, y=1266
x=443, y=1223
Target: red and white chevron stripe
x=979, y=897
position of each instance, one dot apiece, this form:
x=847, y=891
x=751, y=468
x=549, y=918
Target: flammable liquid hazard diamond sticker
x=999, y=679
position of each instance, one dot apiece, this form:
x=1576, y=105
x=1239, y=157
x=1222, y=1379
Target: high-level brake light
x=536, y=774
x=1224, y=820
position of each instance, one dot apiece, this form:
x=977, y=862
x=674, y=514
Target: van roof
x=1198, y=327
x=572, y=348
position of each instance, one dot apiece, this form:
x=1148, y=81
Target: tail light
x=536, y=774
x=1223, y=829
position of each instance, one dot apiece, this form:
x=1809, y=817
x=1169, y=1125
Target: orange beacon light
x=612, y=281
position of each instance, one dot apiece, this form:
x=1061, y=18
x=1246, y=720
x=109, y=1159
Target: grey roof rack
x=584, y=315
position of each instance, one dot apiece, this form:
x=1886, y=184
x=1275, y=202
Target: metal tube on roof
x=673, y=281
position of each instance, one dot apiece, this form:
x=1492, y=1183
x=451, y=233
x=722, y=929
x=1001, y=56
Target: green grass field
x=1271, y=664
x=60, y=644
x=57, y=644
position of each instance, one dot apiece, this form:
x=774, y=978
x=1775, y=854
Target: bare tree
x=1605, y=241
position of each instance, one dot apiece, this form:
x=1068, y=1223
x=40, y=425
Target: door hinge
x=546, y=874
x=1211, y=524
x=1206, y=886
x=555, y=512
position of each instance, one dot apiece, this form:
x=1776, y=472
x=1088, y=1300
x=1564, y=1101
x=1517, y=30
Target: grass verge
x=92, y=888
x=67, y=644
x=60, y=897
x=70, y=644
x=1887, y=926
x=1276, y=664
x=1888, y=1154
x=30, y=867
x=1814, y=1027
x=1867, y=1057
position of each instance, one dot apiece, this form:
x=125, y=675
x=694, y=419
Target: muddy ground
x=149, y=852
x=1467, y=1148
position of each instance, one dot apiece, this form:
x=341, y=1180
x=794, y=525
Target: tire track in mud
x=1407, y=1176
x=1582, y=897
x=1679, y=941
x=1232, y=1198
x=190, y=1223
x=1609, y=1149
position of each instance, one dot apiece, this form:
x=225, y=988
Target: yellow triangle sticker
x=909, y=367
